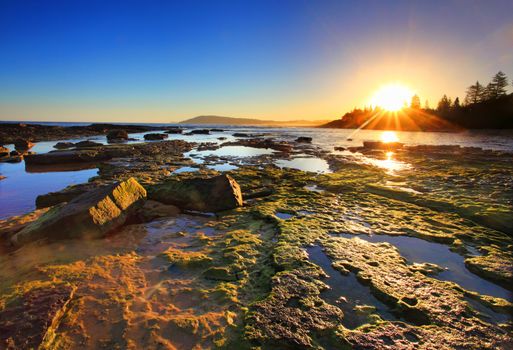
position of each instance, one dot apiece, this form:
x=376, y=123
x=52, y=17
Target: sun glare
x=389, y=136
x=392, y=97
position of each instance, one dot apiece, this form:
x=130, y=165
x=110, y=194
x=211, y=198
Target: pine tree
x=444, y=104
x=456, y=104
x=497, y=86
x=415, y=102
x=475, y=93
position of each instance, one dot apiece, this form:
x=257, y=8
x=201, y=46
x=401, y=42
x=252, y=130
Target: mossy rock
x=90, y=215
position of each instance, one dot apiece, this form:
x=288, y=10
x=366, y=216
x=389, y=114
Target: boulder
x=205, y=195
x=87, y=143
x=241, y=134
x=155, y=136
x=304, y=139
x=21, y=144
x=117, y=135
x=64, y=145
x=91, y=215
x=340, y=148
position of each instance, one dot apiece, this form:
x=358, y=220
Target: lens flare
x=392, y=97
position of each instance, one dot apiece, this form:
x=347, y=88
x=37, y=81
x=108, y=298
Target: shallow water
x=231, y=151
x=314, y=188
x=222, y=167
x=185, y=169
x=313, y=164
x=417, y=250
x=353, y=293
x=18, y=191
x=283, y=216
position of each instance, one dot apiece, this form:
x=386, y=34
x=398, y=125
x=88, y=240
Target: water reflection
x=390, y=164
x=389, y=136
x=231, y=151
x=18, y=191
x=315, y=165
x=417, y=250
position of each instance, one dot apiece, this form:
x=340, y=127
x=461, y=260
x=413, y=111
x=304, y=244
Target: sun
x=392, y=97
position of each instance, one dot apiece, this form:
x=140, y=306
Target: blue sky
x=166, y=61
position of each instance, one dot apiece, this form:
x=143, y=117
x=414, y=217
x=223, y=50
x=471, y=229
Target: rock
x=15, y=153
x=382, y=145
x=91, y=215
x=22, y=144
x=241, y=134
x=33, y=318
x=4, y=152
x=216, y=130
x=222, y=138
x=155, y=136
x=205, y=195
x=73, y=156
x=87, y=143
x=117, y=136
x=304, y=139
x=199, y=132
x=174, y=131
x=11, y=159
x=340, y=148
x=64, y=145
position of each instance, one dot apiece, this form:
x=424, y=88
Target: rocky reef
x=160, y=260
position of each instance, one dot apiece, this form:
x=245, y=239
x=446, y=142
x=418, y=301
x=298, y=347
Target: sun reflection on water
x=389, y=136
x=390, y=164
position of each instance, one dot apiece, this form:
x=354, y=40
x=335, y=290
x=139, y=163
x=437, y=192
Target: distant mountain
x=214, y=119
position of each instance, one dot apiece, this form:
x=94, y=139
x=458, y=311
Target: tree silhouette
x=475, y=93
x=456, y=103
x=444, y=104
x=497, y=87
x=415, y=102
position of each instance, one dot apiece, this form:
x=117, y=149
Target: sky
x=165, y=61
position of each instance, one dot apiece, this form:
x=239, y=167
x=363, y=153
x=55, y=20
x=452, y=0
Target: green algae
x=251, y=284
